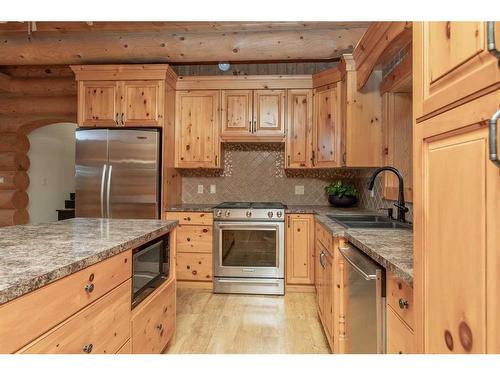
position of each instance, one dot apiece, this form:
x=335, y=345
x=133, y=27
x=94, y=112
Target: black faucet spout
x=402, y=209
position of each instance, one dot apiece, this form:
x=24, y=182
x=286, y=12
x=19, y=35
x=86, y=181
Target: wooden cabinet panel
x=153, y=324
x=299, y=129
x=197, y=129
x=97, y=103
x=191, y=218
x=142, y=103
x=327, y=130
x=451, y=62
x=400, y=298
x=398, y=143
x=236, y=113
x=194, y=238
x=269, y=112
x=103, y=327
x=194, y=266
x=300, y=249
x=328, y=295
x=400, y=338
x=58, y=301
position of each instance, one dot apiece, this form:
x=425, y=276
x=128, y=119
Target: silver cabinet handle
x=403, y=304
x=492, y=48
x=123, y=114
x=321, y=255
x=116, y=118
x=89, y=288
x=88, y=348
x=492, y=130
x=108, y=191
x=103, y=177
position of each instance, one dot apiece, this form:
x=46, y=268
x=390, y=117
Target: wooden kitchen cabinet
x=299, y=137
x=400, y=337
x=197, y=129
x=253, y=115
x=300, y=249
x=456, y=66
x=142, y=103
x=98, y=103
x=327, y=128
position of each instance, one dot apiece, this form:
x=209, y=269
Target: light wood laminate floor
x=241, y=324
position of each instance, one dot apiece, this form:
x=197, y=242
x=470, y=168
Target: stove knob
x=249, y=213
x=218, y=213
x=227, y=213
x=270, y=214
x=279, y=214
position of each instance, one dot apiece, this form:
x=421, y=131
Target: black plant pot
x=343, y=202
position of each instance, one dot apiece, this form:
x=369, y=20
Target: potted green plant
x=341, y=195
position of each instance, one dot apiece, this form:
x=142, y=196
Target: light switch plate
x=299, y=189
x=212, y=189
x=200, y=189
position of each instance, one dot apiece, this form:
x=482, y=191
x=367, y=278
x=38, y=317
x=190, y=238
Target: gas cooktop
x=250, y=211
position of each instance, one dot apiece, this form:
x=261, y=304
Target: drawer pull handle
x=159, y=326
x=403, y=304
x=88, y=348
x=89, y=288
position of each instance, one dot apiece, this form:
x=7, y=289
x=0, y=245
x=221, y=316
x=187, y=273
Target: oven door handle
x=251, y=226
x=254, y=281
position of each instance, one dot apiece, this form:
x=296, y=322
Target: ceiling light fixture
x=224, y=66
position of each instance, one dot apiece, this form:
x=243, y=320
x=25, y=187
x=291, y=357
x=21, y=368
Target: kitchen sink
x=368, y=222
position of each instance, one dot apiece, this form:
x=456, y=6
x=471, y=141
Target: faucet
x=402, y=209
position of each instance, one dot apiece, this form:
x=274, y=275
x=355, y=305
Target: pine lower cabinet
x=456, y=229
x=194, y=244
x=328, y=284
x=299, y=249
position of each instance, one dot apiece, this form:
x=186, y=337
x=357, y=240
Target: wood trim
x=251, y=82
x=400, y=79
x=127, y=72
x=195, y=284
x=291, y=288
x=326, y=77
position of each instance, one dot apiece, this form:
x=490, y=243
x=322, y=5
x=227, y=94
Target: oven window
x=147, y=263
x=249, y=248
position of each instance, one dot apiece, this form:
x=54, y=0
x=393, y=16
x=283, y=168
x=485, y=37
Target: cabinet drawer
x=103, y=327
x=195, y=218
x=194, y=238
x=400, y=338
x=58, y=301
x=194, y=266
x=400, y=298
x=323, y=236
x=153, y=324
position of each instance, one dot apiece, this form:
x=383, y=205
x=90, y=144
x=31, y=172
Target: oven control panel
x=249, y=214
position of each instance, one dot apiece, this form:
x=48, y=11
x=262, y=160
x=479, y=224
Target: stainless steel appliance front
x=118, y=173
x=249, y=257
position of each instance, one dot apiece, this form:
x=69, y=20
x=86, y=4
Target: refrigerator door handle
x=108, y=190
x=103, y=178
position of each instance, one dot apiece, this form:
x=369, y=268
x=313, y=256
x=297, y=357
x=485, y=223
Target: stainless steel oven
x=249, y=250
x=150, y=267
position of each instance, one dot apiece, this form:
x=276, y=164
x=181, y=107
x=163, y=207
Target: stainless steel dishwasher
x=365, y=302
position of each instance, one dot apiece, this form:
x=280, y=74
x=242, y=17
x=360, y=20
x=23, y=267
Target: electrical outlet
x=200, y=189
x=299, y=189
x=212, y=189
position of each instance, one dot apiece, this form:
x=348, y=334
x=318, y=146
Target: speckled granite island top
x=32, y=256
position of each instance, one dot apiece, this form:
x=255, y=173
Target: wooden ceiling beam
x=46, y=48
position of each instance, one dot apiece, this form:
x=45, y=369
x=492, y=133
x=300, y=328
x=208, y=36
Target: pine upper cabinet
x=300, y=249
x=98, y=103
x=456, y=62
x=197, y=129
x=299, y=129
x=327, y=129
x=142, y=103
x=253, y=115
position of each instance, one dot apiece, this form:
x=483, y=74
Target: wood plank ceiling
x=54, y=43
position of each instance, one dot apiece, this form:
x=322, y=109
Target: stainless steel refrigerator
x=118, y=173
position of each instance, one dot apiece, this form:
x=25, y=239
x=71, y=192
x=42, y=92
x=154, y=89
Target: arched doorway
x=51, y=171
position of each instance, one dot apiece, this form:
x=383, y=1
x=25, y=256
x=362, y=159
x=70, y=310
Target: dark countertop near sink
x=391, y=248
x=32, y=256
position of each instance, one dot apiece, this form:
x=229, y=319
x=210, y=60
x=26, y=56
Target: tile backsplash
x=255, y=172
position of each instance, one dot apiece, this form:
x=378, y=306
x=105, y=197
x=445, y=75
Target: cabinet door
x=300, y=249
x=456, y=232
x=142, y=103
x=98, y=103
x=269, y=113
x=327, y=128
x=299, y=129
x=197, y=129
x=328, y=293
x=456, y=62
x=236, y=113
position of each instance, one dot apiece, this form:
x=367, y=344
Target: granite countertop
x=391, y=248
x=32, y=256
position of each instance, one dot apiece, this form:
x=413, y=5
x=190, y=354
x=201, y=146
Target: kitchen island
x=66, y=286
